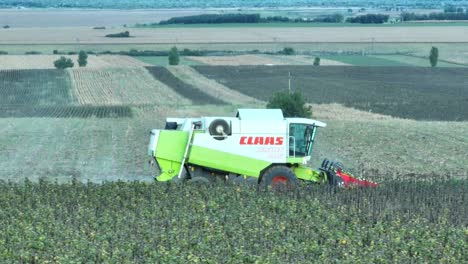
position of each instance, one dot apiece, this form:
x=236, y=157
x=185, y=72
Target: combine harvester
x=258, y=145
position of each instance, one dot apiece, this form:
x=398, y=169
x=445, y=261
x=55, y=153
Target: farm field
x=213, y=88
x=451, y=52
x=107, y=214
x=233, y=35
x=187, y=90
x=408, y=92
x=163, y=60
x=115, y=148
x=262, y=60
x=11, y=62
x=120, y=86
x=117, y=222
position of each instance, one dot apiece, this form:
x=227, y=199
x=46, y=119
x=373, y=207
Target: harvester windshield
x=301, y=138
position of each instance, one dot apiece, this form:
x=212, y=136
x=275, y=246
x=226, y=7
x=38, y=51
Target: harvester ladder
x=192, y=128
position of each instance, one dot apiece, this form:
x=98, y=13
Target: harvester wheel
x=279, y=178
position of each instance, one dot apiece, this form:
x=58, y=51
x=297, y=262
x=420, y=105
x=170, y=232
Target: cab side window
x=296, y=140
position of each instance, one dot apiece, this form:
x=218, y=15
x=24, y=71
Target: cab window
x=300, y=139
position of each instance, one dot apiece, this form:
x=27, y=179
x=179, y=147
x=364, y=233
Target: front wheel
x=278, y=178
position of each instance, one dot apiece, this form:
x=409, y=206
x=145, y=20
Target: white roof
x=306, y=121
x=260, y=114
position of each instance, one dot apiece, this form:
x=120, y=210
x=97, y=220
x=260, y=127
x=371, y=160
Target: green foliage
x=293, y=104
x=334, y=18
x=369, y=19
x=213, y=19
x=174, y=56
x=3, y=52
x=119, y=222
x=288, y=51
x=33, y=52
x=317, y=61
x=82, y=59
x=434, y=56
x=124, y=34
x=434, y=16
x=63, y=63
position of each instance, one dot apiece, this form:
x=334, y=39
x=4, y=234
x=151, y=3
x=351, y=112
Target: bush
x=33, y=52
x=125, y=34
x=82, y=59
x=3, y=52
x=293, y=104
x=174, y=56
x=63, y=63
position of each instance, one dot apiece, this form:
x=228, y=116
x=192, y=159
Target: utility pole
x=289, y=82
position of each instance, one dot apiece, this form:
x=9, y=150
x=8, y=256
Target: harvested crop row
x=187, y=90
x=121, y=86
x=211, y=87
x=66, y=111
x=35, y=87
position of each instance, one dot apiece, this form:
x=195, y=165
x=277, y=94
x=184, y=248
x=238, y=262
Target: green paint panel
x=227, y=162
x=170, y=152
x=308, y=174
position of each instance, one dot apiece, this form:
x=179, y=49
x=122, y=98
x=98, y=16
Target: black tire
x=278, y=178
x=219, y=128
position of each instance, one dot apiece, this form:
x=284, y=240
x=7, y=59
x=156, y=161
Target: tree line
x=434, y=16
x=256, y=18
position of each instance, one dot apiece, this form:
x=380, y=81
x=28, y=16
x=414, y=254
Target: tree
x=288, y=51
x=317, y=61
x=63, y=63
x=82, y=59
x=434, y=56
x=174, y=56
x=292, y=104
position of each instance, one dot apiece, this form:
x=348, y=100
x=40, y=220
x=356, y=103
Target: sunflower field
x=135, y=222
